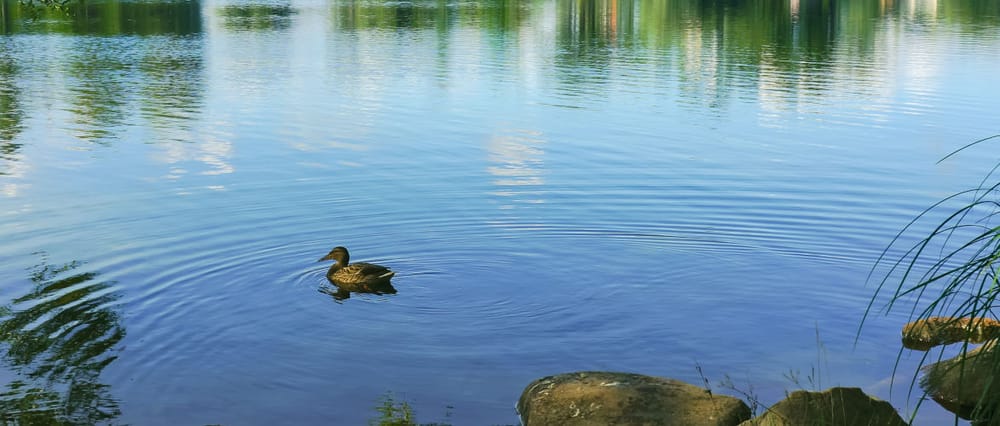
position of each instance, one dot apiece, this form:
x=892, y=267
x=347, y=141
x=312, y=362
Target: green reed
x=950, y=271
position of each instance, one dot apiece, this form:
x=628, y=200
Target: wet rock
x=605, y=398
x=935, y=331
x=832, y=407
x=966, y=385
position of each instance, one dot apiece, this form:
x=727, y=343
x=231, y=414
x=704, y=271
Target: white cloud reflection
x=16, y=169
x=516, y=158
x=209, y=156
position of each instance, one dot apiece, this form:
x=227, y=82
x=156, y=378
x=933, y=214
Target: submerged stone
x=966, y=384
x=837, y=406
x=607, y=398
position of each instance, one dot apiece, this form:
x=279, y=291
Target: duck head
x=339, y=254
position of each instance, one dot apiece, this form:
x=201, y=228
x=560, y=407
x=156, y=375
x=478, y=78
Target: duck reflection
x=340, y=292
x=358, y=277
x=57, y=338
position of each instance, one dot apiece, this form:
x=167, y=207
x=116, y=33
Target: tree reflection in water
x=11, y=112
x=57, y=338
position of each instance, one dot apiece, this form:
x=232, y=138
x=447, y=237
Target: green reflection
x=508, y=15
x=99, y=90
x=58, y=337
x=977, y=15
x=788, y=35
x=7, y=16
x=103, y=17
x=256, y=17
x=502, y=15
x=714, y=47
x=104, y=87
x=11, y=112
x=759, y=23
x=366, y=14
x=172, y=87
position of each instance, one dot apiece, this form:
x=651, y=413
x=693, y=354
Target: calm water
x=561, y=185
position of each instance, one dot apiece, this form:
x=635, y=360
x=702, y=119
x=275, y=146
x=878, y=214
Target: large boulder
x=605, y=398
x=966, y=384
x=832, y=407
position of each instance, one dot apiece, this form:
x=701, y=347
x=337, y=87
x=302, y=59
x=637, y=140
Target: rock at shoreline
x=834, y=406
x=604, y=398
x=963, y=383
x=935, y=331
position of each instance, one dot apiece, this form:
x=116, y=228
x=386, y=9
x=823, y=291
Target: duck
x=358, y=276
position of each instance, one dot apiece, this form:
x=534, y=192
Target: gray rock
x=832, y=407
x=605, y=398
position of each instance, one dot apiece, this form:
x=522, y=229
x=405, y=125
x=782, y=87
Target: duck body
x=359, y=276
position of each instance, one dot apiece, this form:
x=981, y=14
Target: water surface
x=642, y=186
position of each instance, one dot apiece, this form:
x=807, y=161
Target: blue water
x=560, y=185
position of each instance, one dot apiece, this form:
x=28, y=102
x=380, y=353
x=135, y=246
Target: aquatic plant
x=393, y=413
x=950, y=272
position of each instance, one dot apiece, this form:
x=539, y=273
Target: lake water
x=644, y=186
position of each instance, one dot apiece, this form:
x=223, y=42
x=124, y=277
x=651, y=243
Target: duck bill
x=327, y=257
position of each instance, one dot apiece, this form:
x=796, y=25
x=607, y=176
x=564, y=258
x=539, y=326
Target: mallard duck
x=357, y=276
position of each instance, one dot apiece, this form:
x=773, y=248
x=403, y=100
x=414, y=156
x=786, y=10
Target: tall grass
x=949, y=272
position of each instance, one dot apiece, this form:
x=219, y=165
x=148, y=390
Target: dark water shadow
x=57, y=338
x=341, y=292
